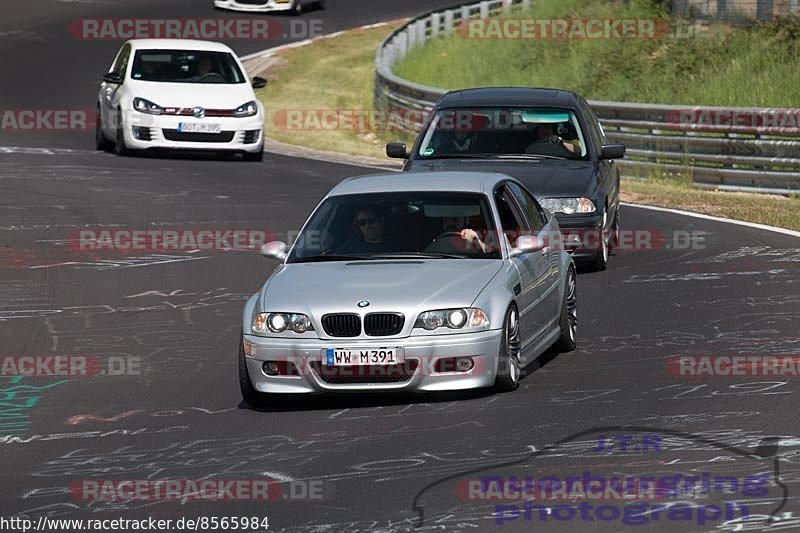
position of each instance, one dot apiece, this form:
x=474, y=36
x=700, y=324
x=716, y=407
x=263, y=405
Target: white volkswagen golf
x=179, y=95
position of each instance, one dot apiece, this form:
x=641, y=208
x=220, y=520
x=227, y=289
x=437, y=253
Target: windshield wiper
x=324, y=258
x=419, y=255
x=459, y=156
x=527, y=156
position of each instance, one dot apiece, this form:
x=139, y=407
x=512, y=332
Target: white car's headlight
x=466, y=319
x=266, y=323
x=246, y=110
x=146, y=106
x=568, y=206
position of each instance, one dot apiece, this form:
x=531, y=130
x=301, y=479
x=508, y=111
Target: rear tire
x=569, y=315
x=250, y=395
x=508, y=365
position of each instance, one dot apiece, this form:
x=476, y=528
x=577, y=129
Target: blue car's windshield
x=409, y=224
x=501, y=131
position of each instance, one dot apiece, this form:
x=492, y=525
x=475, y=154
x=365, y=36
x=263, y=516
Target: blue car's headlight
x=146, y=106
x=266, y=323
x=465, y=319
x=246, y=110
x=568, y=206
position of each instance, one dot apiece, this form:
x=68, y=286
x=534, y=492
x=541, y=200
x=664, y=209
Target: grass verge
x=767, y=209
x=717, y=65
x=335, y=73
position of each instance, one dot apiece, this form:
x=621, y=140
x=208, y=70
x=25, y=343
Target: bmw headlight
x=146, y=106
x=246, y=110
x=466, y=319
x=568, y=206
x=266, y=323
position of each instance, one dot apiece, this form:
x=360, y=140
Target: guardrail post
x=436, y=21
x=526, y=4
x=484, y=10
x=465, y=13
x=449, y=17
x=507, y=6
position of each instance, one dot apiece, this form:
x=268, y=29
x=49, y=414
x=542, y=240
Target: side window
x=593, y=125
x=121, y=64
x=529, y=206
x=514, y=224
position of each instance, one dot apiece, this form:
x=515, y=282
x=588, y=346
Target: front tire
x=569, y=315
x=100, y=141
x=601, y=258
x=508, y=365
x=250, y=395
x=119, y=146
x=254, y=156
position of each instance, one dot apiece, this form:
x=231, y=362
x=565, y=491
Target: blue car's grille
x=342, y=325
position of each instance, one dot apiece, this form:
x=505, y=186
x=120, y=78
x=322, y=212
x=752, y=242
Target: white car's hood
x=207, y=95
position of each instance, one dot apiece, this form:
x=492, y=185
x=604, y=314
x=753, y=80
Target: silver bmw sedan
x=421, y=282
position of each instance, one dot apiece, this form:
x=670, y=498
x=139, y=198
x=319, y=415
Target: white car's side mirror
x=275, y=250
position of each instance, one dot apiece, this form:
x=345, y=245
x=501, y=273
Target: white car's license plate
x=363, y=356
x=199, y=127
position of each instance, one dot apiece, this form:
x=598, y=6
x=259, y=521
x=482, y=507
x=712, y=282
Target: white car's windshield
x=410, y=224
x=186, y=66
x=500, y=131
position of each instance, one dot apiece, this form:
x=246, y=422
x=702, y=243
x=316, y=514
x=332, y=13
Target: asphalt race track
x=383, y=463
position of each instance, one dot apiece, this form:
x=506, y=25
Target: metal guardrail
x=760, y=152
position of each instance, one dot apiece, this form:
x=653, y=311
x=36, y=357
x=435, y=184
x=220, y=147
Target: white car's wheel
x=100, y=141
x=120, y=148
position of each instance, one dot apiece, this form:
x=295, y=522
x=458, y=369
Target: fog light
x=141, y=133
x=271, y=368
x=454, y=364
x=464, y=364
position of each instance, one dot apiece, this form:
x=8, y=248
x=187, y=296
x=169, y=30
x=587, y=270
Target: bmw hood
x=406, y=286
x=207, y=95
x=544, y=178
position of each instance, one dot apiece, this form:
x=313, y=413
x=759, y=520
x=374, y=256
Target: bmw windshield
x=428, y=225
x=499, y=131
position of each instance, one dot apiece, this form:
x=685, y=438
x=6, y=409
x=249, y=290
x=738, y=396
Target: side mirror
x=397, y=150
x=259, y=83
x=527, y=244
x=275, y=250
x=112, y=77
x=612, y=151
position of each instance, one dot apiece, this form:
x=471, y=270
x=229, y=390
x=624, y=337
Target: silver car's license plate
x=363, y=356
x=199, y=127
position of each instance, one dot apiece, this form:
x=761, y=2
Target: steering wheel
x=209, y=75
x=448, y=234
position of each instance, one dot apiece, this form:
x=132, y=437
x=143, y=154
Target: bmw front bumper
x=421, y=354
